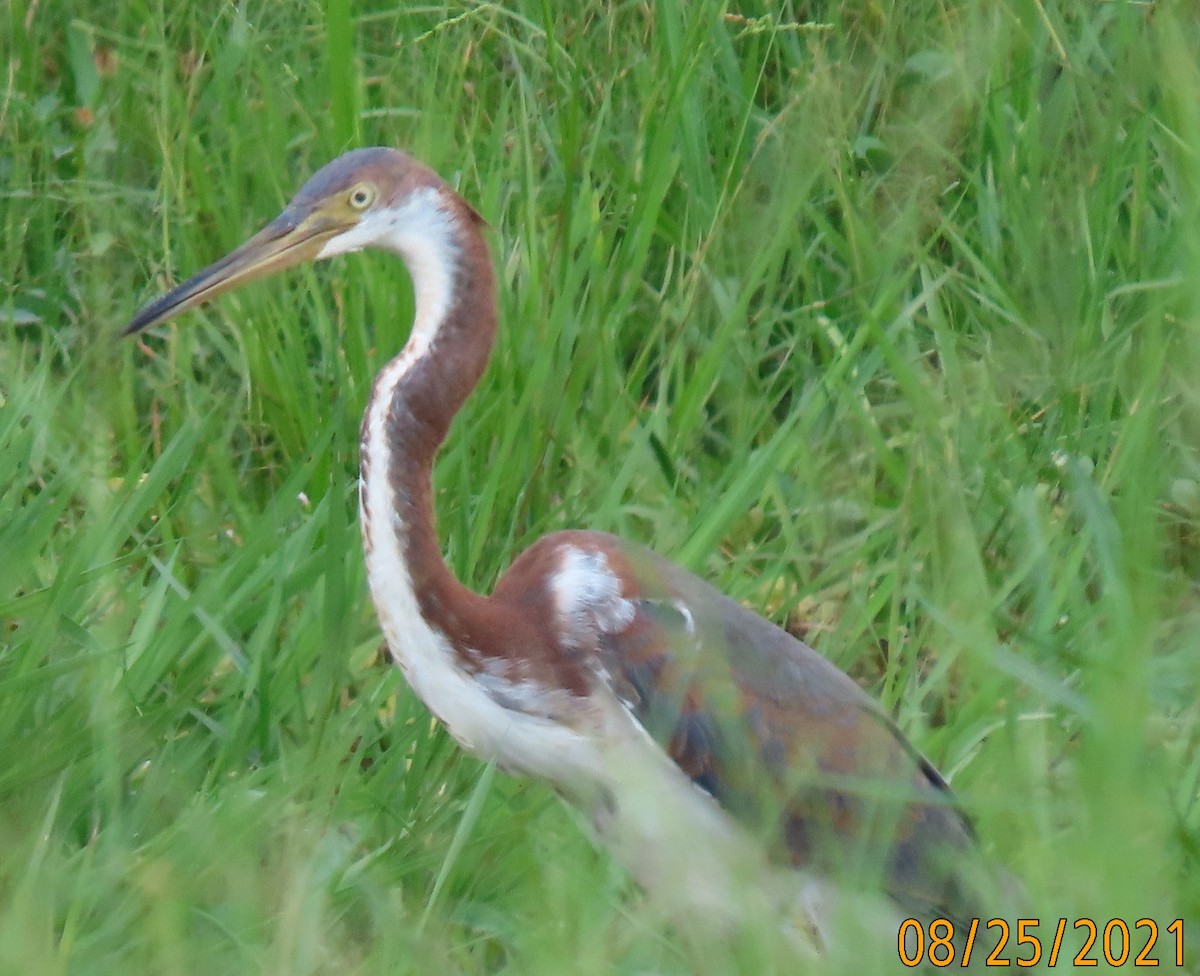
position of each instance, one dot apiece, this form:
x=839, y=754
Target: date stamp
x=1030, y=942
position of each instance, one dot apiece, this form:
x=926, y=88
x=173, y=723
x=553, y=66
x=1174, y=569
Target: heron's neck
x=412, y=403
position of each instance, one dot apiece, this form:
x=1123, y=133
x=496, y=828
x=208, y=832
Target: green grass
x=883, y=316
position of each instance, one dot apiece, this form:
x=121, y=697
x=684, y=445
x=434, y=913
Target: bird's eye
x=361, y=196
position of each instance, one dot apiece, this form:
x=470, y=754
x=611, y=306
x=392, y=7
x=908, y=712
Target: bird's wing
x=783, y=740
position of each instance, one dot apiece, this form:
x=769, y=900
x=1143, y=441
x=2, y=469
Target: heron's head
x=367, y=197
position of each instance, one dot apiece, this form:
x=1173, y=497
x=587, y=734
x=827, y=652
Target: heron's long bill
x=288, y=240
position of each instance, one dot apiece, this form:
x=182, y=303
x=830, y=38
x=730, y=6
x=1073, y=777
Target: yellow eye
x=361, y=196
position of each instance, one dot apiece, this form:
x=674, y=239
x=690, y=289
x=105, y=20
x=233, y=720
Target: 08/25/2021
x=1116, y=941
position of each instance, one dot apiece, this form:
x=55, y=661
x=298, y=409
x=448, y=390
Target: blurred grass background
x=883, y=316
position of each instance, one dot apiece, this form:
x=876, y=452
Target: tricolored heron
x=730, y=767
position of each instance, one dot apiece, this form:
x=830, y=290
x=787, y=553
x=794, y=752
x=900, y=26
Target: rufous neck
x=413, y=402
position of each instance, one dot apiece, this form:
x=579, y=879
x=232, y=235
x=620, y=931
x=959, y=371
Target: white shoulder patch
x=587, y=595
